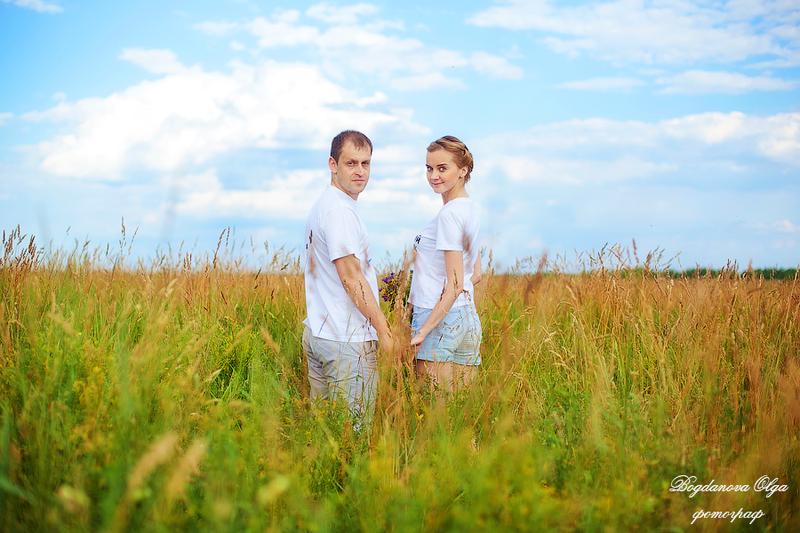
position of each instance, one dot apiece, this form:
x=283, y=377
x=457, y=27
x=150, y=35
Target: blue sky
x=675, y=123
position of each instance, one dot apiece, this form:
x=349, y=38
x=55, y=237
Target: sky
x=674, y=124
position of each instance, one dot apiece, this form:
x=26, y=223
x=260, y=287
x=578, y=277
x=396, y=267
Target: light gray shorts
x=457, y=338
x=346, y=370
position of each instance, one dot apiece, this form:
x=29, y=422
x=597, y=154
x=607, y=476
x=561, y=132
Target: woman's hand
x=476, y=272
x=417, y=340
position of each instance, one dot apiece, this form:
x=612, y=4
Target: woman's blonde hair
x=461, y=154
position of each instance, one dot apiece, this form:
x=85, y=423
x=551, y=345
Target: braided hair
x=461, y=154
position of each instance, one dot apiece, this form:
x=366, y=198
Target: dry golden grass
x=172, y=396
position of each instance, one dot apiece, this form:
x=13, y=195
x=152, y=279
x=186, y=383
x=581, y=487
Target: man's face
x=351, y=173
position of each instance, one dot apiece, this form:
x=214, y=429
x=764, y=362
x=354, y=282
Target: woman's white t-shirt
x=456, y=228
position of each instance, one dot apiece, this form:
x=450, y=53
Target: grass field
x=172, y=397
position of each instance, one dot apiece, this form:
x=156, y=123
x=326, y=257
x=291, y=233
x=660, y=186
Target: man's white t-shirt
x=456, y=228
x=335, y=230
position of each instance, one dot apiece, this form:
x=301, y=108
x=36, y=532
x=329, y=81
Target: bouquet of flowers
x=394, y=283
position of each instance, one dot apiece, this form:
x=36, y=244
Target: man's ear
x=332, y=164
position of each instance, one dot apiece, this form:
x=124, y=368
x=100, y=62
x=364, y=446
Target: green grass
x=173, y=397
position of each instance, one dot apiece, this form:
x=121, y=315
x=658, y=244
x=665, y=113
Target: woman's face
x=443, y=173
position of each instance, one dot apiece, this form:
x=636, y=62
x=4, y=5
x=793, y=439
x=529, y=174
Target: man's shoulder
x=331, y=200
x=324, y=205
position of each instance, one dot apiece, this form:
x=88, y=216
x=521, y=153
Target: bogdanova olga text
x=685, y=483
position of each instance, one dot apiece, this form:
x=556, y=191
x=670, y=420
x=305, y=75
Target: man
x=344, y=318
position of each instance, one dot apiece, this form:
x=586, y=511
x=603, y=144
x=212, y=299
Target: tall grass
x=172, y=397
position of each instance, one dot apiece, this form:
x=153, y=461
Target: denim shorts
x=457, y=338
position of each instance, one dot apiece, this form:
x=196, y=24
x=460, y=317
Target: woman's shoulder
x=462, y=202
x=463, y=207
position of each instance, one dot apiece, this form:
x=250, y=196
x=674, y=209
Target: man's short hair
x=358, y=139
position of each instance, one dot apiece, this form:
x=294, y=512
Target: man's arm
x=356, y=286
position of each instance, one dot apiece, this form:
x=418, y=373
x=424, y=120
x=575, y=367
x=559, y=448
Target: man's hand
x=388, y=344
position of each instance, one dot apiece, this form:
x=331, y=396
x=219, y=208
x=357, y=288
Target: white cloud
x=287, y=197
x=535, y=242
x=790, y=59
x=787, y=244
x=780, y=137
x=576, y=134
x=281, y=33
x=495, y=66
x=366, y=101
x=567, y=166
x=37, y=5
x=217, y=28
x=340, y=15
x=783, y=226
x=709, y=128
x=190, y=116
x=602, y=84
x=705, y=82
x=424, y=82
x=774, y=137
x=350, y=44
x=577, y=172
x=5, y=118
x=155, y=61
x=648, y=31
x=368, y=51
x=581, y=183
x=237, y=46
x=572, y=48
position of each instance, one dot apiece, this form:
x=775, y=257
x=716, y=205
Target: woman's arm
x=476, y=273
x=454, y=264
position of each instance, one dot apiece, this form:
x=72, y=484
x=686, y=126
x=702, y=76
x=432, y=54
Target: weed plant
x=173, y=397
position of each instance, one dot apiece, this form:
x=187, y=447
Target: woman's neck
x=455, y=192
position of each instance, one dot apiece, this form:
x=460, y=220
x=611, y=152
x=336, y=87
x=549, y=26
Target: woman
x=445, y=328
